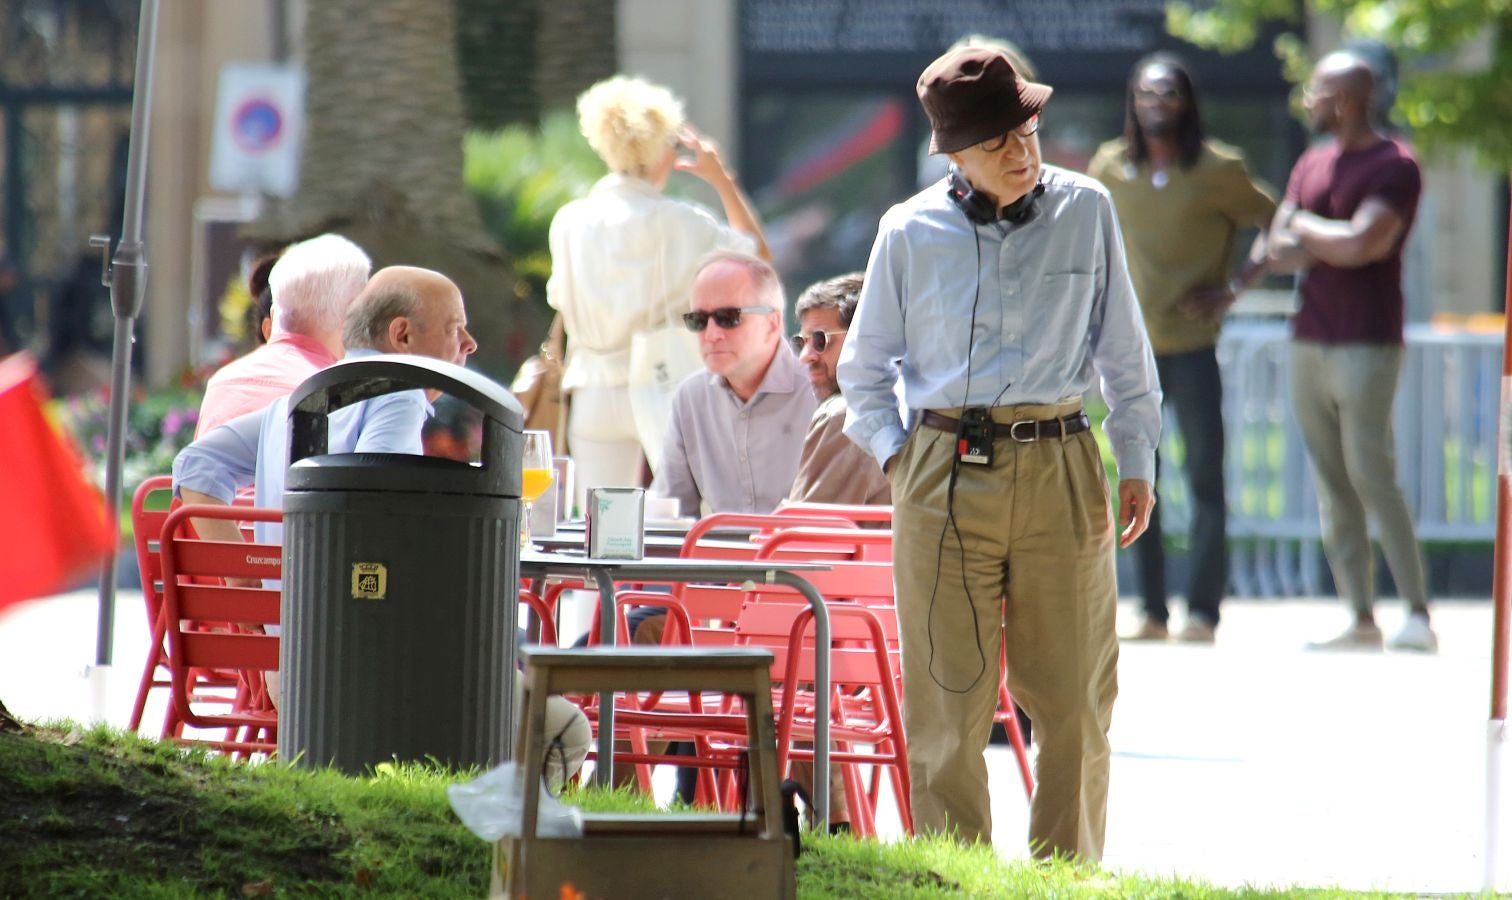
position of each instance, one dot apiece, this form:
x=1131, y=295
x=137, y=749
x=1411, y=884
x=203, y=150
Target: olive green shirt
x=1180, y=235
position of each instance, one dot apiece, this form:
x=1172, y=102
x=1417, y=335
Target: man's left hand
x=1135, y=500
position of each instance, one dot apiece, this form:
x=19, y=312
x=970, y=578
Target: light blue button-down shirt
x=1053, y=306
x=254, y=449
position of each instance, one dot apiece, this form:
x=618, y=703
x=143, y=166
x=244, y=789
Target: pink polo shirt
x=252, y=382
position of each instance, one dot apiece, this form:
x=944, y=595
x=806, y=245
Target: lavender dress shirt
x=724, y=455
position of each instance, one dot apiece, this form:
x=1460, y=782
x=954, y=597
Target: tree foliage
x=1456, y=58
x=520, y=176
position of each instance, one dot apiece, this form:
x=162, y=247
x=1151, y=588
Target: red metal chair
x=871, y=592
x=865, y=709
x=850, y=512
x=150, y=506
x=149, y=509
x=705, y=610
x=863, y=515
x=210, y=625
x=543, y=616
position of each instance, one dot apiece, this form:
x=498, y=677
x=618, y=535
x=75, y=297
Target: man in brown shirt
x=1182, y=202
x=832, y=469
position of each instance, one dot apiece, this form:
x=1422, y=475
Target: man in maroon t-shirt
x=1349, y=205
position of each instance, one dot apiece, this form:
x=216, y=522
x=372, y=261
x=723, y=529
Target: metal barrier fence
x=1446, y=436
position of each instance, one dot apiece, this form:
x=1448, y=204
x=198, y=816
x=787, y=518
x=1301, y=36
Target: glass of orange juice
x=535, y=477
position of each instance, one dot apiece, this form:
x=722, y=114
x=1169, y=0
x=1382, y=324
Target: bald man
x=1349, y=205
x=401, y=310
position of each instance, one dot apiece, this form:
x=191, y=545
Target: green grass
x=99, y=813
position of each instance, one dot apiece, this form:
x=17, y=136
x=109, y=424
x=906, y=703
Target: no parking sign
x=259, y=122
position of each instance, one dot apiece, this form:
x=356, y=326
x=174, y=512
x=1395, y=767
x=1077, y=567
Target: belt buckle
x=1013, y=431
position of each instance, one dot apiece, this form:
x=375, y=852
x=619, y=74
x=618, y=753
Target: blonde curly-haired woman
x=623, y=258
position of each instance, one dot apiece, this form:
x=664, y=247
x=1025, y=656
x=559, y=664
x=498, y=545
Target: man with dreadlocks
x=1181, y=202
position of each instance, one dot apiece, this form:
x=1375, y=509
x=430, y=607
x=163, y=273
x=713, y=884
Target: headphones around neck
x=982, y=210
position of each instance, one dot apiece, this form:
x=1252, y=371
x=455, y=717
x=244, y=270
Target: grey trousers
x=1342, y=396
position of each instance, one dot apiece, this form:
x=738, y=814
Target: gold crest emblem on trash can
x=369, y=581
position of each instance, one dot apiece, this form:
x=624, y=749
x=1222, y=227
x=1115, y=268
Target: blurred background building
x=812, y=100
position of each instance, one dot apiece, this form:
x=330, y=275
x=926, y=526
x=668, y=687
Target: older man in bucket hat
x=1003, y=295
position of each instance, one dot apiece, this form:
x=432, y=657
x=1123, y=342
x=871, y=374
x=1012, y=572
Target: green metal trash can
x=401, y=578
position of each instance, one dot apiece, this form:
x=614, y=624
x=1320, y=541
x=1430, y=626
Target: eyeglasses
x=818, y=338
x=1164, y=95
x=993, y=145
x=726, y=317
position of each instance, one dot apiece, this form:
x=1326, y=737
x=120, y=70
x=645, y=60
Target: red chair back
x=851, y=512
x=149, y=509
x=760, y=524
x=211, y=625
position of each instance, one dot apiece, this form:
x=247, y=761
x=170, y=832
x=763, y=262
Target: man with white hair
x=313, y=283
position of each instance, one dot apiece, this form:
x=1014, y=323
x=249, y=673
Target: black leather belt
x=1023, y=431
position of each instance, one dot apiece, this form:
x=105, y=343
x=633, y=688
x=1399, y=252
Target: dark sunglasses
x=726, y=317
x=819, y=339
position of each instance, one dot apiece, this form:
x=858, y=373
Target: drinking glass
x=535, y=477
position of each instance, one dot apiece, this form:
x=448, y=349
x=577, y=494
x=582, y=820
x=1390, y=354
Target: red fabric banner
x=53, y=525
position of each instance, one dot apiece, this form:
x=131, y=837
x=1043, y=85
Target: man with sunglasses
x=1183, y=200
x=738, y=426
x=832, y=468
x=1004, y=296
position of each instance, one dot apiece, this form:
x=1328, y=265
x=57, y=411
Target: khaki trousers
x=1034, y=528
x=1342, y=396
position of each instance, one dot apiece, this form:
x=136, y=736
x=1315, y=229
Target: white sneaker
x=1416, y=635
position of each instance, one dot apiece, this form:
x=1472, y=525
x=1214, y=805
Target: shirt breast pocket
x=1068, y=289
x=1061, y=313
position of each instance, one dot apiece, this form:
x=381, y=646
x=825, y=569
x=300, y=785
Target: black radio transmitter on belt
x=974, y=439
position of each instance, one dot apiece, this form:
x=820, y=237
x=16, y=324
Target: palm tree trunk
x=382, y=157
x=575, y=48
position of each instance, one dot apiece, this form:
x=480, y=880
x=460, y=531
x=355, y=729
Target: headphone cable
x=950, y=520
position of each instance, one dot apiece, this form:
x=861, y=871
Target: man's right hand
x=210, y=529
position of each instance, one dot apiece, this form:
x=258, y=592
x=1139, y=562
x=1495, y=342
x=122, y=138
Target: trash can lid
x=312, y=467
x=352, y=380
x=397, y=473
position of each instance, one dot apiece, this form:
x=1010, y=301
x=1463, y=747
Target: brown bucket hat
x=972, y=94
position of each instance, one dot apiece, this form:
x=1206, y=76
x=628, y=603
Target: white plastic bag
x=659, y=361
x=492, y=806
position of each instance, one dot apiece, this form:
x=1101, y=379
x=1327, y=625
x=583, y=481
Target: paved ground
x=1250, y=761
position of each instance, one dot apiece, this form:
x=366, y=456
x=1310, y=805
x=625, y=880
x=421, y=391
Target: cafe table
x=659, y=545
x=604, y=573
